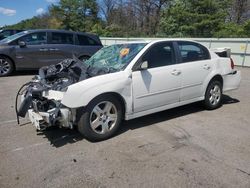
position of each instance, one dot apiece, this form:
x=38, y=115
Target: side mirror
x=21, y=44
x=144, y=65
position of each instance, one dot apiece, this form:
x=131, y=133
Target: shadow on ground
x=25, y=73
x=59, y=136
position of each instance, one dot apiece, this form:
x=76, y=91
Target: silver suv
x=33, y=49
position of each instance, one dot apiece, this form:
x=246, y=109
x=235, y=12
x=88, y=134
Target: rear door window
x=61, y=38
x=190, y=51
x=85, y=40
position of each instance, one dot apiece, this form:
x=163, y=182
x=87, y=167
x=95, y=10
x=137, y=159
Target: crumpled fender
x=81, y=93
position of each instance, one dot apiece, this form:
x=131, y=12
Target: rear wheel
x=213, y=96
x=84, y=58
x=101, y=119
x=6, y=66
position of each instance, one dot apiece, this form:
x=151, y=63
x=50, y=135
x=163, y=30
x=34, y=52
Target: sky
x=13, y=11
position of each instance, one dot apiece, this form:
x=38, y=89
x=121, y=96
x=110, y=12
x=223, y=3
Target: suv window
x=34, y=38
x=192, y=52
x=61, y=38
x=85, y=40
x=161, y=54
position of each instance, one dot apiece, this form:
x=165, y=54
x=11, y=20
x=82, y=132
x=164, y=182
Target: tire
x=6, y=66
x=101, y=118
x=213, y=95
x=84, y=58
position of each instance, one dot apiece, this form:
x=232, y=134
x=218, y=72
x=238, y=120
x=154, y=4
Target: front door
x=35, y=53
x=160, y=84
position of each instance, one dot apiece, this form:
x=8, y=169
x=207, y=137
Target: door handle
x=43, y=49
x=53, y=49
x=176, y=72
x=207, y=67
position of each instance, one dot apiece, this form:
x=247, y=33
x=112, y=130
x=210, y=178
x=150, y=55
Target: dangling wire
x=19, y=93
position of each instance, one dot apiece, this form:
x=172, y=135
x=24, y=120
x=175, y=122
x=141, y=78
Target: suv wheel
x=6, y=66
x=101, y=118
x=213, y=96
x=84, y=58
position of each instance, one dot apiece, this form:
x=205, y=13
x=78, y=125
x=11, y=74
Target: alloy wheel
x=103, y=117
x=215, y=95
x=4, y=67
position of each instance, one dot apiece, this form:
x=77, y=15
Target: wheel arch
x=217, y=77
x=118, y=97
x=210, y=105
x=81, y=110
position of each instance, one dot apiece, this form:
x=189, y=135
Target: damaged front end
x=41, y=97
x=45, y=112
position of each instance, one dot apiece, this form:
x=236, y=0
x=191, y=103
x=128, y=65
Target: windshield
x=14, y=37
x=116, y=56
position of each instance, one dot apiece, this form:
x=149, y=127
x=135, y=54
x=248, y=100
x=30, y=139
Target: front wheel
x=213, y=95
x=101, y=118
x=6, y=66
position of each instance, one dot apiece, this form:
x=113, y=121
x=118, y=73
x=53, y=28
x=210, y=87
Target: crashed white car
x=126, y=81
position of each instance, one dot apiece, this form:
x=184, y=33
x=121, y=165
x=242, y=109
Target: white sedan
x=126, y=81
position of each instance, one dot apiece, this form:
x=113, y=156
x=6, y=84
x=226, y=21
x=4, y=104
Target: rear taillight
x=232, y=63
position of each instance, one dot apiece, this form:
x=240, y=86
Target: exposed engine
x=63, y=74
x=57, y=78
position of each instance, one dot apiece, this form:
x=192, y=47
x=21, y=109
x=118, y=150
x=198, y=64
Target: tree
x=230, y=30
x=107, y=7
x=146, y=18
x=238, y=11
x=133, y=17
x=194, y=18
x=76, y=15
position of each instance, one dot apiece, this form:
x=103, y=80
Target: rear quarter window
x=86, y=41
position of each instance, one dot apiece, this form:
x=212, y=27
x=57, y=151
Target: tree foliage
x=194, y=18
x=147, y=18
x=76, y=15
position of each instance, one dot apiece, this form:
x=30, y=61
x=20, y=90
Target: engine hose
x=17, y=95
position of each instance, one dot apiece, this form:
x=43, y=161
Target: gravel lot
x=183, y=147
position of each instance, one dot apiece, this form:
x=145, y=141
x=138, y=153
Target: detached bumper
x=232, y=81
x=61, y=117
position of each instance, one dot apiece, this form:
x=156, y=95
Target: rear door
x=35, y=53
x=196, y=65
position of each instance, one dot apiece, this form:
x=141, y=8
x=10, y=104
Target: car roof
x=58, y=30
x=173, y=39
x=152, y=41
x=11, y=30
